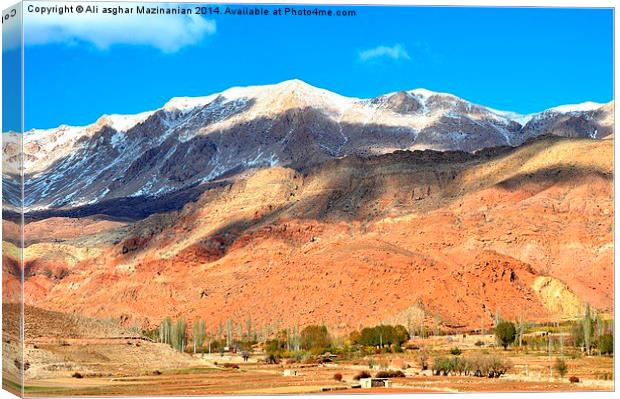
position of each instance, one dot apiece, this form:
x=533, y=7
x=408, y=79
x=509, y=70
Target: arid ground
x=73, y=356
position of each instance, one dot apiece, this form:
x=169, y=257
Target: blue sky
x=522, y=60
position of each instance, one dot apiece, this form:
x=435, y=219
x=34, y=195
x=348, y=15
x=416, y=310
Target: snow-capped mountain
x=588, y=119
x=190, y=141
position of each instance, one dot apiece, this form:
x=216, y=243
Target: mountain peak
x=296, y=84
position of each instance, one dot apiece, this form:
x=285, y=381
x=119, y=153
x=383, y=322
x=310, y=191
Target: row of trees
x=290, y=342
x=588, y=334
x=488, y=365
x=592, y=332
x=313, y=338
x=316, y=339
x=380, y=336
x=175, y=334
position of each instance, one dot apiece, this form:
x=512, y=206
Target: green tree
x=402, y=335
x=198, y=334
x=179, y=330
x=355, y=337
x=606, y=344
x=274, y=348
x=505, y=333
x=577, y=334
x=383, y=335
x=315, y=338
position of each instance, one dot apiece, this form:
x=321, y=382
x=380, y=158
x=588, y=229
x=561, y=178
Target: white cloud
x=168, y=33
x=395, y=52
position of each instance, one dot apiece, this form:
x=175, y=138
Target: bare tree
x=522, y=326
x=165, y=331
x=248, y=327
x=587, y=329
x=229, y=332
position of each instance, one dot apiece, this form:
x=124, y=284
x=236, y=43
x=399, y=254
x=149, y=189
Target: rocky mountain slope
x=425, y=237
x=191, y=141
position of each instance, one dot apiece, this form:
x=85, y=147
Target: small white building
x=375, y=383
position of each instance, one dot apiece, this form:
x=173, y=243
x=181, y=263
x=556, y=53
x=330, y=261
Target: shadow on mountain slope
x=153, y=157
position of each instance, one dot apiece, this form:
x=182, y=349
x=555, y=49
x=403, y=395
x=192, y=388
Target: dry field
x=207, y=375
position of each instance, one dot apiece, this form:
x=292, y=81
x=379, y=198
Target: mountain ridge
x=188, y=102
x=193, y=140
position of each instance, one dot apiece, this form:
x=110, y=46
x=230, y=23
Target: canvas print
x=218, y=199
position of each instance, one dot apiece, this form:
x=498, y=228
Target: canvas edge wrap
x=13, y=362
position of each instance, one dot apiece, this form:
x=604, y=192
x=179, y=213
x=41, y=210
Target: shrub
x=459, y=365
x=505, y=333
x=231, y=366
x=275, y=347
x=338, y=377
x=573, y=379
x=486, y=365
x=362, y=374
x=390, y=374
x=606, y=344
x=561, y=367
x=442, y=365
x=309, y=360
x=455, y=351
x=479, y=343
x=272, y=359
x=77, y=375
x=498, y=366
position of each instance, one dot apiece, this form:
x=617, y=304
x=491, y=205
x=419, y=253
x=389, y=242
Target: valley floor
x=264, y=379
x=209, y=375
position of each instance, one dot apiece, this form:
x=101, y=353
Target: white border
x=483, y=3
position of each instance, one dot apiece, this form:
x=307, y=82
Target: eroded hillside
x=424, y=237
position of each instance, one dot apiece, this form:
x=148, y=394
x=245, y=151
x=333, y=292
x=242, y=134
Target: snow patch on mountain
x=581, y=107
x=122, y=123
x=185, y=104
x=192, y=140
